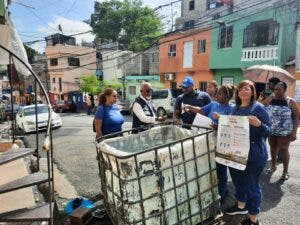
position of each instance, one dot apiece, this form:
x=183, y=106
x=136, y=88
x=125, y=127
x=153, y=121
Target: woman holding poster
x=222, y=107
x=248, y=191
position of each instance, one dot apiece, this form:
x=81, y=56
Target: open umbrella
x=262, y=73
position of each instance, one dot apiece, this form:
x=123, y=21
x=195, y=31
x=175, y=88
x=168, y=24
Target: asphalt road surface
x=75, y=155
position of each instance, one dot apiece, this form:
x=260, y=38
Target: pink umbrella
x=262, y=73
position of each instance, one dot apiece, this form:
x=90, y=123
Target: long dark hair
x=102, y=97
x=242, y=84
x=228, y=90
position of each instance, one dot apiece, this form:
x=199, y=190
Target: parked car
x=25, y=118
x=8, y=109
x=164, y=100
x=64, y=106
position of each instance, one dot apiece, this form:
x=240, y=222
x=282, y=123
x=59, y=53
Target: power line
x=188, y=34
x=72, y=6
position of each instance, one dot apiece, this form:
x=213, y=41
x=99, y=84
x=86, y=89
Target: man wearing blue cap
x=189, y=97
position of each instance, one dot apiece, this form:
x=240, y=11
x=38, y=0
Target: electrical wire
x=160, y=43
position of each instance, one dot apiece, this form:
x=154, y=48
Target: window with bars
x=189, y=24
x=53, y=62
x=73, y=61
x=202, y=85
x=192, y=5
x=225, y=36
x=60, y=84
x=260, y=33
x=201, y=46
x=172, y=50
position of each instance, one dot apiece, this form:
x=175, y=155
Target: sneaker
x=247, y=221
x=235, y=210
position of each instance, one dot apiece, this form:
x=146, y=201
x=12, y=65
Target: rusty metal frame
x=48, y=133
x=116, y=212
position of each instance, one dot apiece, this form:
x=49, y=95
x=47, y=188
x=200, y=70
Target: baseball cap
x=187, y=81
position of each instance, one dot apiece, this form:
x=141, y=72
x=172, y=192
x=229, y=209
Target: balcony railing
x=259, y=54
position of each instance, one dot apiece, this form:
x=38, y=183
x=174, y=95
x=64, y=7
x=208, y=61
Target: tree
x=127, y=22
x=30, y=53
x=92, y=85
x=89, y=84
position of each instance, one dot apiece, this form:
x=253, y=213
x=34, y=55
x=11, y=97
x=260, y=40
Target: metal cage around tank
x=115, y=185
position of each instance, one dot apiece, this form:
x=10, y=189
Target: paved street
x=75, y=154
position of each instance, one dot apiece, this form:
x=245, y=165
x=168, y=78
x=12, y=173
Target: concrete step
x=15, y=153
x=23, y=182
x=36, y=213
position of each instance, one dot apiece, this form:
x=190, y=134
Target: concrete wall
x=227, y=58
x=200, y=65
x=113, y=66
x=69, y=74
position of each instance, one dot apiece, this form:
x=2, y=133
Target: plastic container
x=165, y=175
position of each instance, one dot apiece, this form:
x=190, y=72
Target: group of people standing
x=274, y=117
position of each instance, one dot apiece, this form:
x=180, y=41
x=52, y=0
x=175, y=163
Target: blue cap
x=187, y=81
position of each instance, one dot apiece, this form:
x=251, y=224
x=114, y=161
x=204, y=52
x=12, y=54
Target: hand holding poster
x=202, y=121
x=233, y=142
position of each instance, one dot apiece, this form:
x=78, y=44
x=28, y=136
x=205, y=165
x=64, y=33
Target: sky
x=36, y=19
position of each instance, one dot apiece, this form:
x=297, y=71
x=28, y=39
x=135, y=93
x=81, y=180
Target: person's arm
x=194, y=109
x=99, y=116
x=138, y=111
x=295, y=119
x=177, y=111
x=261, y=120
x=98, y=127
x=267, y=100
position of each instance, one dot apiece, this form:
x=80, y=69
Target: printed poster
x=233, y=142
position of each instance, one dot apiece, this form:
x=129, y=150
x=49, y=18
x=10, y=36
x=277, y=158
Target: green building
x=261, y=35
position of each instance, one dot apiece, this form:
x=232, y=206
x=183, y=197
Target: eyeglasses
x=148, y=90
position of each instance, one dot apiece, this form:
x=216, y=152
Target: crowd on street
x=272, y=117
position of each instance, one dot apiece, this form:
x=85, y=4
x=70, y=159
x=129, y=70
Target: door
x=188, y=54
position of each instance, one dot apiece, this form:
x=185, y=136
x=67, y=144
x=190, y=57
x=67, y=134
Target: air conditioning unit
x=169, y=76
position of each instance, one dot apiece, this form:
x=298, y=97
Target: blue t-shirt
x=217, y=107
x=258, y=148
x=199, y=98
x=111, y=117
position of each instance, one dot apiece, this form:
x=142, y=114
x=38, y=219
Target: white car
x=25, y=118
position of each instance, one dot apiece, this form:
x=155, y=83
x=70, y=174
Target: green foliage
x=93, y=86
x=105, y=84
x=89, y=84
x=127, y=22
x=30, y=53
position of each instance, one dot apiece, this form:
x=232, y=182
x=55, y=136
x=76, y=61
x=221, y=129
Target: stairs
x=14, y=154
x=42, y=212
x=38, y=213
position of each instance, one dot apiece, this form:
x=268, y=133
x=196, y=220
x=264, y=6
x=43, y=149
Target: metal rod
x=11, y=97
x=36, y=128
x=174, y=183
x=186, y=182
x=52, y=176
x=140, y=190
x=198, y=183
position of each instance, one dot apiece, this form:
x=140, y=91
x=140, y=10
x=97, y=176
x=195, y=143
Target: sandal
x=271, y=170
x=285, y=176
